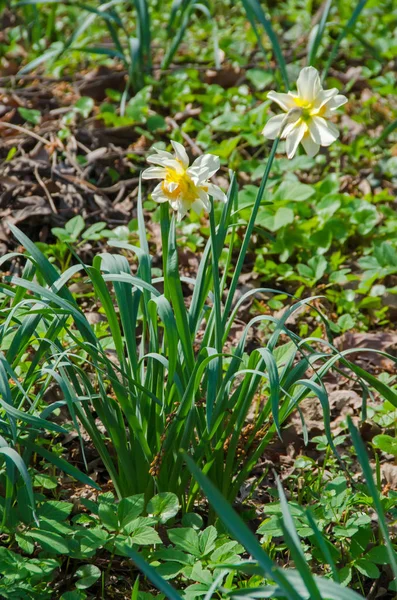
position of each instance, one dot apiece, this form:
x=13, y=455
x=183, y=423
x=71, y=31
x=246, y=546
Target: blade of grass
x=294, y=545
x=319, y=33
x=248, y=234
x=177, y=300
x=346, y=29
x=385, y=133
x=322, y=545
x=63, y=465
x=12, y=457
x=253, y=8
x=216, y=291
x=240, y=530
x=366, y=467
x=159, y=582
x=143, y=17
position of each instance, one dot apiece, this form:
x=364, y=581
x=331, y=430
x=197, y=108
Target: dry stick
x=120, y=184
x=25, y=131
x=186, y=137
x=198, y=66
x=47, y=193
x=83, y=147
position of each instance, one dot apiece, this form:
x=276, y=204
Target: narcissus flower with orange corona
x=184, y=187
x=308, y=113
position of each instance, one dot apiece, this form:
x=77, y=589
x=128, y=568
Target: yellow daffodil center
x=309, y=109
x=304, y=104
x=177, y=185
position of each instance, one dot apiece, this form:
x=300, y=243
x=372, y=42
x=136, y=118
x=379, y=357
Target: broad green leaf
x=145, y=536
x=75, y=226
x=55, y=509
x=386, y=443
x=24, y=543
x=367, y=568
x=87, y=576
x=207, y=540
x=91, y=539
x=50, y=542
x=84, y=106
x=259, y=78
x=74, y=595
x=186, y=539
x=284, y=216
x=294, y=191
x=129, y=509
x=108, y=516
x=48, y=482
x=30, y=114
x=225, y=147
x=192, y=520
x=378, y=555
x=164, y=506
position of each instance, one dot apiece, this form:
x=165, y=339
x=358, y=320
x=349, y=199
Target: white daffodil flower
x=184, y=186
x=307, y=113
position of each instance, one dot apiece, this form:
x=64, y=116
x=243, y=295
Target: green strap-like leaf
x=366, y=467
x=159, y=582
x=294, y=545
x=346, y=29
x=240, y=530
x=12, y=456
x=254, y=8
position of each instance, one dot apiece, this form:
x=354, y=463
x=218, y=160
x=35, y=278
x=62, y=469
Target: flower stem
x=248, y=233
x=165, y=232
x=216, y=282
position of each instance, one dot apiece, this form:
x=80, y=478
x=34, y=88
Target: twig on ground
x=47, y=193
x=196, y=149
x=25, y=131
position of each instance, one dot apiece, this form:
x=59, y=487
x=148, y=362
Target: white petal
x=171, y=186
x=273, y=126
x=333, y=129
x=175, y=203
x=158, y=194
x=311, y=148
x=334, y=103
x=205, y=166
x=197, y=206
x=163, y=153
x=181, y=208
x=154, y=173
x=308, y=84
x=204, y=199
x=195, y=176
x=294, y=138
x=176, y=165
x=180, y=153
x=157, y=159
x=199, y=177
x=181, y=213
x=216, y=192
x=291, y=121
x=323, y=97
x=322, y=132
x=164, y=161
x=285, y=101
